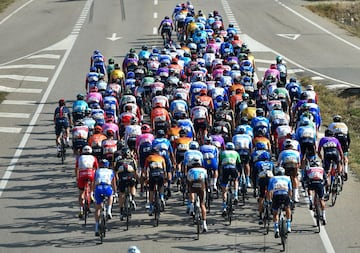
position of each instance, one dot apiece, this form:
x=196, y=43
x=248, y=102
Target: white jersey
x=132, y=131
x=282, y=131
x=162, y=100
x=339, y=127
x=104, y=176
x=199, y=112
x=86, y=162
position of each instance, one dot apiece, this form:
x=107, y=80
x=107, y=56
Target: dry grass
x=347, y=104
x=345, y=13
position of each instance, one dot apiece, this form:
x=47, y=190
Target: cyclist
x=62, y=119
x=332, y=151
x=131, y=132
x=97, y=60
x=85, y=168
x=125, y=168
x=263, y=170
x=230, y=165
x=80, y=134
x=341, y=132
x=79, y=106
x=282, y=69
x=243, y=145
x=196, y=177
x=211, y=158
x=133, y=249
x=280, y=191
x=109, y=146
x=154, y=170
x=105, y=185
x=181, y=145
x=166, y=26
x=95, y=141
x=315, y=177
x=92, y=78
x=200, y=116
x=289, y=159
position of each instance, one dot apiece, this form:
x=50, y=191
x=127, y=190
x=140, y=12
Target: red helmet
x=110, y=132
x=273, y=66
x=145, y=128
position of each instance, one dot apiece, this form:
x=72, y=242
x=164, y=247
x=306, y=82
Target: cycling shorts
x=199, y=188
x=330, y=155
x=144, y=152
x=290, y=171
x=180, y=156
x=279, y=199
x=200, y=124
x=263, y=185
x=61, y=123
x=102, y=190
x=156, y=177
x=84, y=177
x=131, y=143
x=307, y=147
x=244, y=156
x=211, y=164
x=227, y=173
x=126, y=179
x=318, y=187
x=79, y=144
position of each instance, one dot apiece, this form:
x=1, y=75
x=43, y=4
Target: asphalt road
x=38, y=195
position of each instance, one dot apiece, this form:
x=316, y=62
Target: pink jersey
x=140, y=139
x=272, y=72
x=110, y=126
x=94, y=97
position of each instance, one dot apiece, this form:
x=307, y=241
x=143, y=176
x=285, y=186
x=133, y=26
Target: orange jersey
x=234, y=87
x=182, y=144
x=155, y=162
x=207, y=102
x=262, y=139
x=96, y=140
x=234, y=100
x=159, y=115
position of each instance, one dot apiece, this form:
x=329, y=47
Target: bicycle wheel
x=87, y=202
x=334, y=190
x=63, y=149
x=86, y=211
x=127, y=210
x=102, y=226
x=266, y=220
x=156, y=209
x=229, y=206
x=283, y=233
x=197, y=222
x=317, y=212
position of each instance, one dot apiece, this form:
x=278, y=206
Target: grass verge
x=5, y=3
x=2, y=96
x=347, y=104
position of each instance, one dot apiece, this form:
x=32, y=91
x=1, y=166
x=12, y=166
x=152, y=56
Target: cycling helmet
x=277, y=107
x=309, y=87
x=260, y=146
x=80, y=96
x=272, y=66
x=288, y=144
x=304, y=96
x=337, y=118
x=98, y=129
x=240, y=130
x=182, y=132
x=133, y=249
x=166, y=17
x=329, y=132
x=264, y=156
x=244, y=121
x=194, y=145
x=108, y=92
x=305, y=122
x=125, y=152
x=260, y=112
x=104, y=163
x=292, y=80
x=96, y=51
x=207, y=139
x=279, y=171
x=245, y=96
x=273, y=96
x=314, y=163
x=130, y=75
x=278, y=59
x=93, y=69
x=144, y=47
x=110, y=133
x=260, y=132
x=61, y=101
x=86, y=149
x=160, y=133
x=133, y=121
x=194, y=162
x=111, y=61
x=230, y=146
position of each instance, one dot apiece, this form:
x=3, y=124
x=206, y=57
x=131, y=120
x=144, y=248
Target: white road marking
x=155, y=30
x=10, y=130
x=317, y=78
x=47, y=56
x=289, y=36
x=155, y=2
x=19, y=90
x=28, y=66
x=155, y=15
x=337, y=86
x=70, y=41
x=14, y=12
x=14, y=115
x=254, y=45
x=25, y=78
x=18, y=102
x=114, y=37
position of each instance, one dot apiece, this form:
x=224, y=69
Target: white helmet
x=133, y=249
x=87, y=149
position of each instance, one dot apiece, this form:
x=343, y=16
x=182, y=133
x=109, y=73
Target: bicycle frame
x=282, y=227
x=87, y=201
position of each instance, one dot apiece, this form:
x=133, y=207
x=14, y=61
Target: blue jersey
x=289, y=158
x=191, y=155
x=294, y=90
x=144, y=55
x=177, y=107
x=261, y=154
x=195, y=90
x=305, y=133
x=80, y=106
x=188, y=126
x=242, y=142
x=260, y=122
x=61, y=113
x=280, y=185
x=211, y=156
x=247, y=129
x=262, y=168
x=197, y=174
x=162, y=144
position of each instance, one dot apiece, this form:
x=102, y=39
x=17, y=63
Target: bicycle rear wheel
x=283, y=233
x=229, y=206
x=334, y=191
x=102, y=228
x=63, y=150
x=127, y=211
x=157, y=209
x=317, y=212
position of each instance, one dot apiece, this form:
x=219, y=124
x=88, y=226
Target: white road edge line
x=72, y=38
x=323, y=235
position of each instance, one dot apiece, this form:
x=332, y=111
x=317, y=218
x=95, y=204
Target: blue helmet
x=108, y=92
x=105, y=163
x=93, y=69
x=260, y=146
x=265, y=156
x=130, y=75
x=96, y=51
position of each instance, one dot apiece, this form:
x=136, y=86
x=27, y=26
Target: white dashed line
x=14, y=115
x=25, y=78
x=18, y=102
x=47, y=56
x=28, y=66
x=10, y=130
